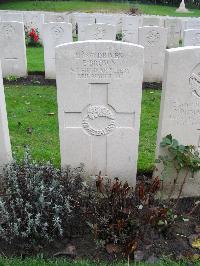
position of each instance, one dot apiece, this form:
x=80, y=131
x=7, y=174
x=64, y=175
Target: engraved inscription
x=57, y=32
x=99, y=34
x=60, y=19
x=100, y=65
x=8, y=31
x=152, y=37
x=187, y=113
x=99, y=112
x=194, y=81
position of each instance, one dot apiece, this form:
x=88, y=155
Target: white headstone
x=180, y=110
x=56, y=17
x=173, y=26
x=152, y=21
x=5, y=146
x=100, y=32
x=54, y=33
x=130, y=25
x=13, y=49
x=191, y=38
x=34, y=20
x=82, y=21
x=192, y=23
x=113, y=19
x=99, y=87
x=182, y=8
x=12, y=17
x=154, y=40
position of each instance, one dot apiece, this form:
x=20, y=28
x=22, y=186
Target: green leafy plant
x=180, y=158
x=38, y=202
x=11, y=78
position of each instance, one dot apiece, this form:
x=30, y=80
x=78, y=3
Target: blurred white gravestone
x=54, y=33
x=180, y=111
x=191, y=38
x=12, y=17
x=173, y=26
x=13, y=49
x=152, y=21
x=154, y=40
x=56, y=17
x=130, y=25
x=99, y=87
x=5, y=146
x=82, y=21
x=100, y=32
x=192, y=23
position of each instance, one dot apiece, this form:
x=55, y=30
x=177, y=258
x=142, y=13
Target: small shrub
x=38, y=201
x=121, y=215
x=32, y=38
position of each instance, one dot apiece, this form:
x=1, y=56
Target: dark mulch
x=38, y=78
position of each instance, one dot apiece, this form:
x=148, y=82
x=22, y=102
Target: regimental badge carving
x=152, y=37
x=194, y=81
x=57, y=32
x=99, y=120
x=8, y=31
x=196, y=39
x=60, y=19
x=100, y=32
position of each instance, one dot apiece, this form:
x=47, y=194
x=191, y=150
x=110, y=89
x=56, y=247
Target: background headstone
x=180, y=111
x=82, y=20
x=154, y=40
x=56, y=17
x=100, y=32
x=130, y=25
x=173, y=26
x=6, y=16
x=54, y=33
x=5, y=146
x=99, y=87
x=13, y=49
x=152, y=21
x=191, y=37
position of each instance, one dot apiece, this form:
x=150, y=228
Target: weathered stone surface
x=180, y=111
x=5, y=146
x=130, y=25
x=6, y=16
x=56, y=17
x=100, y=32
x=191, y=37
x=54, y=33
x=99, y=86
x=154, y=40
x=152, y=21
x=13, y=49
x=82, y=20
x=173, y=26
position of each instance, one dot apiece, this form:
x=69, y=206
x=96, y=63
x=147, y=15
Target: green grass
x=35, y=58
x=29, y=106
x=42, y=262
x=92, y=7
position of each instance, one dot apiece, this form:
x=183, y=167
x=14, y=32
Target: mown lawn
x=32, y=116
x=35, y=58
x=42, y=262
x=93, y=6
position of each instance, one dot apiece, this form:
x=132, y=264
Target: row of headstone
x=99, y=92
x=36, y=19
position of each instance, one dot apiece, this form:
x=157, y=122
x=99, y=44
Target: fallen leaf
x=194, y=241
x=29, y=130
x=51, y=114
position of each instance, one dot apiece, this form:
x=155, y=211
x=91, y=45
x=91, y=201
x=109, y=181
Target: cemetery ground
x=94, y=7
x=32, y=116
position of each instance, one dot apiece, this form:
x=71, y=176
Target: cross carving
x=99, y=120
x=151, y=62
